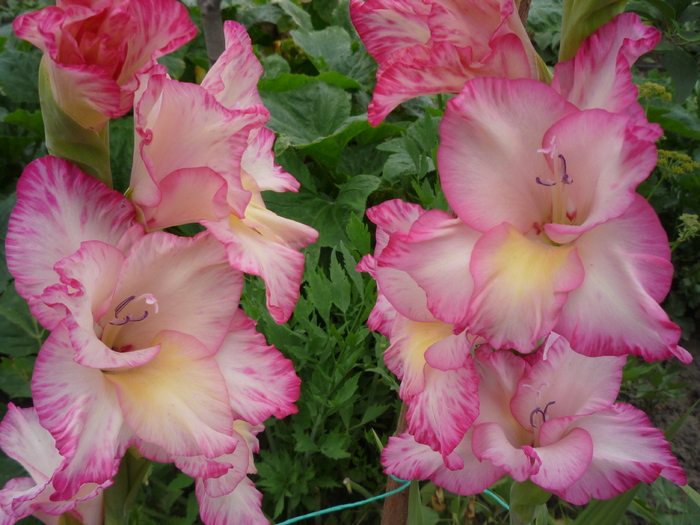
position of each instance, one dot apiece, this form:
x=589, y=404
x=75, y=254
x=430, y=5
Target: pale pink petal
x=615, y=311
x=441, y=414
x=242, y=506
x=181, y=125
x=439, y=68
x=392, y=216
x=188, y=195
x=520, y=286
x=599, y=75
x=563, y=461
x=603, y=184
x=435, y=254
x=577, y=384
x=80, y=409
x=407, y=459
x=178, y=400
x=402, y=293
x=58, y=207
x=489, y=442
x=261, y=382
x=626, y=450
x=266, y=245
x=450, y=353
x=258, y=161
x=488, y=153
x=233, y=79
x=162, y=26
x=382, y=316
x=241, y=461
x=195, y=289
x=386, y=26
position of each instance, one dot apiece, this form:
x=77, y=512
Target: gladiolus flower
x=425, y=47
x=148, y=347
x=552, y=420
x=93, y=50
x=202, y=155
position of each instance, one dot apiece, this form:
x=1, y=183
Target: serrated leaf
x=359, y=235
x=346, y=391
x=335, y=445
x=350, y=264
x=340, y=284
x=319, y=294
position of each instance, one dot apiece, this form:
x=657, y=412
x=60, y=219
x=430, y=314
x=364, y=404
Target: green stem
x=65, y=138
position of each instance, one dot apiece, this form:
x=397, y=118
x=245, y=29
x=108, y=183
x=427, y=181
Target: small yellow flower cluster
x=676, y=163
x=650, y=90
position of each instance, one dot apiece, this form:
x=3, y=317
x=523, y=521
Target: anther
x=128, y=318
x=122, y=305
x=545, y=182
x=538, y=410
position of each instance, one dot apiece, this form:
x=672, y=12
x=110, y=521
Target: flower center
x=131, y=310
x=561, y=204
x=534, y=415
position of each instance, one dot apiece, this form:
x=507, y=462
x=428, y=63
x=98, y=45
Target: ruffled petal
x=563, y=461
x=520, y=286
x=80, y=409
x=599, y=76
x=242, y=506
x=626, y=450
x=577, y=384
x=488, y=155
x=261, y=382
x=435, y=254
x=178, y=400
x=58, y=207
x=489, y=442
x=233, y=79
x=628, y=271
x=258, y=162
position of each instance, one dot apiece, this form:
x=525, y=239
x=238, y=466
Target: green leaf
x=359, y=235
x=676, y=119
x=20, y=333
x=525, y=500
x=29, y=121
x=307, y=114
x=694, y=496
x=19, y=74
x=329, y=217
x=319, y=293
x=607, y=512
x=121, y=145
x=120, y=496
x=274, y=65
x=350, y=264
x=300, y=17
x=684, y=72
x=415, y=506
x=16, y=376
x=581, y=18
x=287, y=82
x=673, y=429
x=340, y=284
x=335, y=445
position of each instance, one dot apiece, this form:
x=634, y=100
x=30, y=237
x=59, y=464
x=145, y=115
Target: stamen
x=545, y=182
x=565, y=179
x=122, y=305
x=128, y=319
x=538, y=410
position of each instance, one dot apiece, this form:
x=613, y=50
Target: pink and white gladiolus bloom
x=148, y=346
x=438, y=379
x=426, y=47
x=203, y=155
x=24, y=439
x=551, y=419
x=550, y=234
x=94, y=49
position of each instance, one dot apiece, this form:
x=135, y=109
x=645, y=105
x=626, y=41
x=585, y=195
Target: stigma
x=148, y=298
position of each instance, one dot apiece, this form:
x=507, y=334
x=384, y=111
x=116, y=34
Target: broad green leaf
x=526, y=498
x=6, y=205
x=285, y=81
x=684, y=72
x=307, y=114
x=121, y=145
x=675, y=118
x=362, y=160
x=19, y=74
x=20, y=333
x=667, y=11
x=300, y=17
x=581, y=18
x=274, y=65
x=120, y=496
x=329, y=217
x=29, y=121
x=607, y=512
x=16, y=376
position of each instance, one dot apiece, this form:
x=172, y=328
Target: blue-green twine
x=375, y=498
